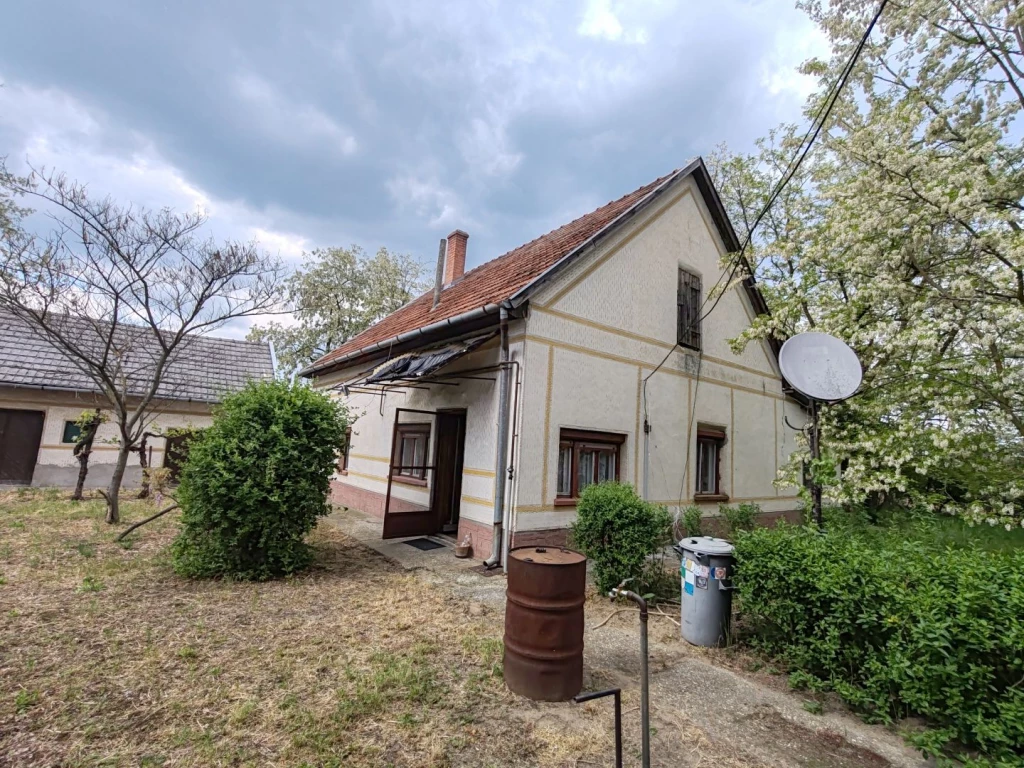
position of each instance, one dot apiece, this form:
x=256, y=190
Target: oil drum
x=544, y=622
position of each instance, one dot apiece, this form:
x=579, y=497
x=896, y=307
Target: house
x=486, y=406
x=43, y=394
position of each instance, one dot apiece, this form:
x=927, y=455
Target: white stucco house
x=486, y=405
x=43, y=393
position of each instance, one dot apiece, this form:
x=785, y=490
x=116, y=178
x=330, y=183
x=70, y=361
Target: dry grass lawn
x=108, y=658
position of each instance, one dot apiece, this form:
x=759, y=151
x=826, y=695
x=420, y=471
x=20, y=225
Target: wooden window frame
x=411, y=429
x=688, y=306
x=577, y=440
x=717, y=437
x=343, y=459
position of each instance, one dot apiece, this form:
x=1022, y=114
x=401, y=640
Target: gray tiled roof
x=205, y=369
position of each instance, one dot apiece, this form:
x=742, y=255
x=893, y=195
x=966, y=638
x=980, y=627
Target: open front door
x=425, y=474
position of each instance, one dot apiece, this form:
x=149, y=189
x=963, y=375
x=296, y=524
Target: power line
x=810, y=136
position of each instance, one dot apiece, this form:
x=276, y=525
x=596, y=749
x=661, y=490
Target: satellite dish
x=820, y=366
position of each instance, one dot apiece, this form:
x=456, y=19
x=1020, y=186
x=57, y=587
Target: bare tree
x=122, y=292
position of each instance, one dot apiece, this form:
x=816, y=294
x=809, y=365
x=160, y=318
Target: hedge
x=896, y=628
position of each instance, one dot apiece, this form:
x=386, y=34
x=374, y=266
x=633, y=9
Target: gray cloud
x=390, y=123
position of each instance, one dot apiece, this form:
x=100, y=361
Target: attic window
x=688, y=310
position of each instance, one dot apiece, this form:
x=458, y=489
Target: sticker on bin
x=688, y=565
x=702, y=582
x=689, y=577
x=701, y=570
x=720, y=573
x=688, y=587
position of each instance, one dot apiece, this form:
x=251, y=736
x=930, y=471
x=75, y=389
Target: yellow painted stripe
x=617, y=247
x=632, y=361
x=368, y=457
x=475, y=500
x=477, y=472
x=547, y=310
x=547, y=424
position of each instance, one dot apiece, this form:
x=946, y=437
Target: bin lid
x=707, y=545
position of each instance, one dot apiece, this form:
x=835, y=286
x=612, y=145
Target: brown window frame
x=412, y=430
x=579, y=440
x=344, y=457
x=716, y=437
x=688, y=306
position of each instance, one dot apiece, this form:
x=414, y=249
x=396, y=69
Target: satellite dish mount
x=825, y=371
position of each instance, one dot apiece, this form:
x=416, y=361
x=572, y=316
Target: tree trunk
x=82, y=451
x=144, y=463
x=114, y=489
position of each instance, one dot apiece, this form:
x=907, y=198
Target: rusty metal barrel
x=544, y=622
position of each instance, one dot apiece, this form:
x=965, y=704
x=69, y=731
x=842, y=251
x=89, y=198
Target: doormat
x=424, y=544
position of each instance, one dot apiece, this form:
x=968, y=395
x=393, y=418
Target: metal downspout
x=501, y=455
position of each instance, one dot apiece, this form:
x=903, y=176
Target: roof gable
x=513, y=277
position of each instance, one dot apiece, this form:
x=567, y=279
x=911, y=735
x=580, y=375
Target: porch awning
x=422, y=363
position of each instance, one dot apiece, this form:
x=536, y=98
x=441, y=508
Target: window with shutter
x=688, y=302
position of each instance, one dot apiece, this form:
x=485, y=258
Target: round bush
x=256, y=481
x=619, y=532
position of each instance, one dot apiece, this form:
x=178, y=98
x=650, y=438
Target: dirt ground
x=108, y=658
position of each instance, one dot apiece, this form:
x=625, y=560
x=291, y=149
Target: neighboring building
x=587, y=314
x=42, y=395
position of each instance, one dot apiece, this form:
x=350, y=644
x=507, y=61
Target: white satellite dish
x=820, y=366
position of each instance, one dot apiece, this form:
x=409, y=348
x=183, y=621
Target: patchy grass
x=110, y=659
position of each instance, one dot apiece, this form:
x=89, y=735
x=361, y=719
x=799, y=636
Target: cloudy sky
x=390, y=122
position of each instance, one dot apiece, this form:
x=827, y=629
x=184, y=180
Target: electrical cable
x=813, y=131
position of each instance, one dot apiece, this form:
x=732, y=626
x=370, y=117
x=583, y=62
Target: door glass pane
x=406, y=455
x=605, y=466
x=420, y=454
x=585, y=471
x=565, y=470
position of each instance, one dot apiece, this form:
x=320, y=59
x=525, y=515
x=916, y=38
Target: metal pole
x=815, y=455
x=645, y=703
x=645, y=700
x=617, y=693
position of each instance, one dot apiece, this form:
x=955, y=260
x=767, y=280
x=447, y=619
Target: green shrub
x=739, y=518
x=256, y=481
x=693, y=521
x=896, y=627
x=619, y=532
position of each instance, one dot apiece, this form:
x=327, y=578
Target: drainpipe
x=501, y=457
x=647, y=457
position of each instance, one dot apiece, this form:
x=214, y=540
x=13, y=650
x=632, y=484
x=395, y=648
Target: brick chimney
x=455, y=260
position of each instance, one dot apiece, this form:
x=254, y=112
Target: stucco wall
x=365, y=484
x=56, y=464
x=597, y=331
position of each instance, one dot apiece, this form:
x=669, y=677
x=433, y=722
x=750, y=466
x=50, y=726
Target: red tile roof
x=495, y=280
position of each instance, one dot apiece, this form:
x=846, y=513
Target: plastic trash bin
x=707, y=568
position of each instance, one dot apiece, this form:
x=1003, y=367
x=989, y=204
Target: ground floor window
x=71, y=432
x=709, y=461
x=585, y=458
x=410, y=457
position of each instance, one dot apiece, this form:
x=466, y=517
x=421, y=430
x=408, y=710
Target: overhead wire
x=818, y=122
